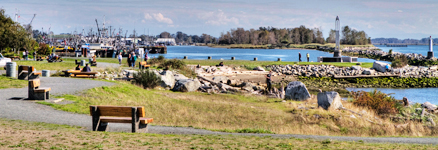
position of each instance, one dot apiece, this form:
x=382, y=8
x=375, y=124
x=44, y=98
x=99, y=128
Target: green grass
x=40, y=65
x=7, y=82
x=31, y=135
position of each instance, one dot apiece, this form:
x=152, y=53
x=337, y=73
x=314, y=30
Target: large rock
x=167, y=78
x=187, y=85
x=179, y=77
x=247, y=87
x=259, y=68
x=380, y=66
x=296, y=90
x=220, y=79
x=330, y=100
x=429, y=106
x=356, y=67
x=368, y=72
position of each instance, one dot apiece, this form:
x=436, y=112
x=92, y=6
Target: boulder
x=296, y=90
x=167, y=79
x=368, y=72
x=356, y=67
x=220, y=79
x=247, y=87
x=259, y=68
x=187, y=85
x=380, y=66
x=429, y=106
x=330, y=100
x=179, y=77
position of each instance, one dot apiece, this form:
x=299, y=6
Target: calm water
x=419, y=49
x=419, y=95
x=202, y=52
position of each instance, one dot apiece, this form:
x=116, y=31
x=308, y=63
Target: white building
x=167, y=41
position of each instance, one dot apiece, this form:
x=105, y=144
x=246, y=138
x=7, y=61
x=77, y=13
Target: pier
x=396, y=45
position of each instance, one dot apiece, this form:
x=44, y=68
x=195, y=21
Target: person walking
x=146, y=56
x=299, y=56
x=119, y=57
x=34, y=55
x=134, y=58
x=308, y=56
x=129, y=60
x=268, y=81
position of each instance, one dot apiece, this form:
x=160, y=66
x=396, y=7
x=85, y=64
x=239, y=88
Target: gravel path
x=13, y=106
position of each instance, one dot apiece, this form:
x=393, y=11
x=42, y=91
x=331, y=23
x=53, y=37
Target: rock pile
x=330, y=71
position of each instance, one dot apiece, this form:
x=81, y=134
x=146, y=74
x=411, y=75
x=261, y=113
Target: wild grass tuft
x=146, y=79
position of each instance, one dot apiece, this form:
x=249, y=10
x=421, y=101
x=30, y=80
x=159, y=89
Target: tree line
x=13, y=36
x=299, y=35
x=181, y=37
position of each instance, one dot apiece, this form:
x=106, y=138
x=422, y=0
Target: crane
x=98, y=31
x=29, y=26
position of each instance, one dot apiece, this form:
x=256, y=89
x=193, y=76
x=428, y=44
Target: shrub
x=158, y=60
x=399, y=61
x=147, y=79
x=376, y=100
x=173, y=63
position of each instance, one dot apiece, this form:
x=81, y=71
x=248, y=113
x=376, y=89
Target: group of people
x=26, y=55
x=85, y=69
x=132, y=58
x=299, y=56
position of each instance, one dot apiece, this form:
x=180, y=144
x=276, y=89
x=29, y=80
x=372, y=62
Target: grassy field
x=240, y=113
x=31, y=135
x=7, y=82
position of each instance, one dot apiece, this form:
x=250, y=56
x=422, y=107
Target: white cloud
x=160, y=18
x=147, y=16
x=218, y=18
x=400, y=11
x=369, y=26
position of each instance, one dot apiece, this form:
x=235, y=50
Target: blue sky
x=378, y=18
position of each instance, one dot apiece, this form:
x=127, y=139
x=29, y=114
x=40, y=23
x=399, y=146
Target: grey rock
x=356, y=67
x=179, y=77
x=429, y=106
x=368, y=72
x=296, y=90
x=247, y=87
x=187, y=85
x=380, y=66
x=167, y=79
x=330, y=100
x=220, y=79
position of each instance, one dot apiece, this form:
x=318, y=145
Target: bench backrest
x=118, y=111
x=34, y=83
x=25, y=68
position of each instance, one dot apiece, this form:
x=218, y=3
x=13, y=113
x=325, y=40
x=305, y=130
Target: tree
x=165, y=35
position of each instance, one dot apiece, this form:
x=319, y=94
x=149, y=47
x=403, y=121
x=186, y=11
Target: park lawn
x=44, y=65
x=33, y=135
x=105, y=60
x=6, y=82
x=237, y=112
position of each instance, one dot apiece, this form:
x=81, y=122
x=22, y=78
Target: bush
x=158, y=60
x=173, y=63
x=147, y=79
x=376, y=100
x=399, y=61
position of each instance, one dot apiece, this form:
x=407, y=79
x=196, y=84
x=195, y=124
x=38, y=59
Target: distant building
x=166, y=41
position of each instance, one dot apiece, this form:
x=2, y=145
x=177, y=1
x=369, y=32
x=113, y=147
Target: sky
x=414, y=19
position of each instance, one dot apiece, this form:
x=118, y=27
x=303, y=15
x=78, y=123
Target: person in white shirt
x=120, y=58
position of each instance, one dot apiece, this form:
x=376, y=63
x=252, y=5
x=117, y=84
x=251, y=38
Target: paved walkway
x=13, y=106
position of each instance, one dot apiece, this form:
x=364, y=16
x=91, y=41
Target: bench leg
x=47, y=95
x=103, y=126
x=135, y=119
x=39, y=96
x=143, y=128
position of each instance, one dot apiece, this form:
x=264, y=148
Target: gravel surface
x=14, y=106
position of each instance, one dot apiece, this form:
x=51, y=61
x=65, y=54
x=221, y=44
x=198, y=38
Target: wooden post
x=185, y=57
x=255, y=58
x=233, y=58
x=209, y=57
x=95, y=117
x=279, y=59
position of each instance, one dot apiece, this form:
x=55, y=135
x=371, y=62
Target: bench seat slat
x=125, y=120
x=42, y=90
x=84, y=73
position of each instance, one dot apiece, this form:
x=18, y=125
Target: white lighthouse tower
x=430, y=53
x=337, y=52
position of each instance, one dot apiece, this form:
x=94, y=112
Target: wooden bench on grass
x=84, y=74
x=143, y=65
x=36, y=92
x=27, y=72
x=102, y=115
x=68, y=73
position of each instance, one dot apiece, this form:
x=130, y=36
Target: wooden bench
x=68, y=73
x=143, y=65
x=102, y=115
x=27, y=72
x=36, y=92
x=84, y=74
